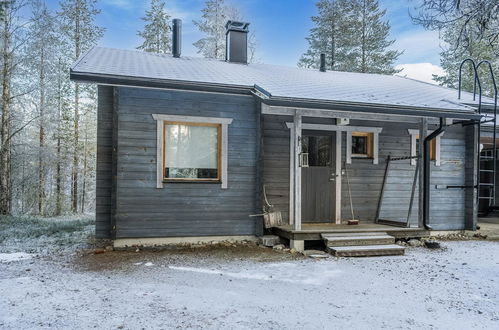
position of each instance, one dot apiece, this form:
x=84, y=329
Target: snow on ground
x=14, y=256
x=248, y=287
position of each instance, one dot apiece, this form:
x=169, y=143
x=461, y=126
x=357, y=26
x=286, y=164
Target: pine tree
x=81, y=33
x=213, y=25
x=215, y=15
x=12, y=40
x=43, y=50
x=353, y=36
x=329, y=36
x=371, y=39
x=156, y=33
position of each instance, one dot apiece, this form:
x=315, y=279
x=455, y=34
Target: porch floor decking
x=313, y=231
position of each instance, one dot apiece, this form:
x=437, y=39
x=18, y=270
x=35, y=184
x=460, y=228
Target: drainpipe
x=427, y=174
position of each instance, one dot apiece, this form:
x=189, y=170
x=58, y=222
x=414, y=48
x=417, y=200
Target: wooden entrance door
x=318, y=179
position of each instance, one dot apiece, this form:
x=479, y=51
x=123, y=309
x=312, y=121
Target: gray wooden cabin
x=191, y=148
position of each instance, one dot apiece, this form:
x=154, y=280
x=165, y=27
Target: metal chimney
x=323, y=63
x=177, y=37
x=236, y=37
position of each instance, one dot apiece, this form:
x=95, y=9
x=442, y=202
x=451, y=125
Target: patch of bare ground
x=101, y=259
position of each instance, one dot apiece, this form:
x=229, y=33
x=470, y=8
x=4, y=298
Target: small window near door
x=362, y=145
x=433, y=148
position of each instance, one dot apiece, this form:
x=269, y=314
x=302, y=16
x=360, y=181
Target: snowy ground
x=249, y=287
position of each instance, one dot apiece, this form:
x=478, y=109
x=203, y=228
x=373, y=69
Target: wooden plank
x=367, y=250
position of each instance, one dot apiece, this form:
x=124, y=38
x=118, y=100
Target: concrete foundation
x=269, y=240
x=298, y=245
x=163, y=241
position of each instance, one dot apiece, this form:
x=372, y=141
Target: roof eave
x=103, y=79
x=371, y=107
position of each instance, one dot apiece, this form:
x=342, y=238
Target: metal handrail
x=476, y=82
x=494, y=151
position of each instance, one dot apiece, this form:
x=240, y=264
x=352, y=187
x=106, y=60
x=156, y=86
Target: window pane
x=191, y=151
x=433, y=148
x=359, y=145
x=318, y=149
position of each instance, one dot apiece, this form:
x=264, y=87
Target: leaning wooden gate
x=397, y=222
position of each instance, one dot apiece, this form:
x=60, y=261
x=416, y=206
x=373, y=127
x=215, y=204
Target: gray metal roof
x=276, y=81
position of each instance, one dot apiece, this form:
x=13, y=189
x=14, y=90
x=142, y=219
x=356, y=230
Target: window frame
x=370, y=145
x=219, y=151
x=223, y=146
x=375, y=131
x=435, y=145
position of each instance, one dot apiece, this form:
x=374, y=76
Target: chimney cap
x=237, y=26
x=322, y=67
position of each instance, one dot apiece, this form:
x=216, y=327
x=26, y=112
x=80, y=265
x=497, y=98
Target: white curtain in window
x=191, y=146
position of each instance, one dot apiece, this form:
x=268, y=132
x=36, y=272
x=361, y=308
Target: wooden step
x=367, y=250
x=356, y=233
x=358, y=240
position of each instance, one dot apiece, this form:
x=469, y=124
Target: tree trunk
x=58, y=183
x=74, y=176
x=5, y=147
x=76, y=160
x=363, y=41
x=83, y=190
x=41, y=165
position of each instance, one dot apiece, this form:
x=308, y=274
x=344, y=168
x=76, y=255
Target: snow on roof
x=278, y=81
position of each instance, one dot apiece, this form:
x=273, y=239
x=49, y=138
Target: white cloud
x=420, y=71
x=418, y=46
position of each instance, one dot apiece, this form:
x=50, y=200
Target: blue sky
x=280, y=26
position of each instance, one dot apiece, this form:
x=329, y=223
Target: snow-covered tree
x=215, y=15
x=80, y=34
x=330, y=35
x=370, y=39
x=13, y=39
x=156, y=33
x=43, y=51
x=454, y=53
x=478, y=19
x=353, y=35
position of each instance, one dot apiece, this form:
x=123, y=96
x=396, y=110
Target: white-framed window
x=434, y=146
x=191, y=149
x=363, y=143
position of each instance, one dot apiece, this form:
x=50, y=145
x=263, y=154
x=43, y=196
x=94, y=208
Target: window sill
x=191, y=181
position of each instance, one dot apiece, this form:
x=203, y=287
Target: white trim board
x=341, y=128
x=321, y=113
x=415, y=132
x=161, y=118
x=193, y=119
x=375, y=144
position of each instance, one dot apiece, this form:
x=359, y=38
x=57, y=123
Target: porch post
x=292, y=175
x=423, y=131
x=337, y=196
x=297, y=171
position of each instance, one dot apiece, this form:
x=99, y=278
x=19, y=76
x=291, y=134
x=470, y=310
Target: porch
x=313, y=231
x=349, y=184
